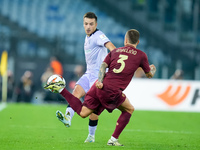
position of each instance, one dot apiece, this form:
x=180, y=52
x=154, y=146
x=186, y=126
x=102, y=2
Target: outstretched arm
x=102, y=72
x=110, y=46
x=151, y=73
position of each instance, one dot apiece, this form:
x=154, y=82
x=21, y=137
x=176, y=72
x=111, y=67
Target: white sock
x=92, y=130
x=71, y=111
x=113, y=138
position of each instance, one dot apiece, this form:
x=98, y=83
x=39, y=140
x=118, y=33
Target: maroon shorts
x=100, y=99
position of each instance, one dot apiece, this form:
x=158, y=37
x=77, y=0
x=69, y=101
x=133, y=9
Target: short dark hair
x=133, y=36
x=90, y=15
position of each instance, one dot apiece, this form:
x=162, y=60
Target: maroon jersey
x=122, y=63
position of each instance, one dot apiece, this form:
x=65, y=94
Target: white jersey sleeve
x=102, y=39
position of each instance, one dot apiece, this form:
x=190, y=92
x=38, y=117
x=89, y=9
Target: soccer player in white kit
x=95, y=48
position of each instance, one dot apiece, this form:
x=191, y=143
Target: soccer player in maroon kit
x=107, y=92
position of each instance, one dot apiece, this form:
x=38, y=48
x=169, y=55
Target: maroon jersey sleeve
x=108, y=59
x=145, y=64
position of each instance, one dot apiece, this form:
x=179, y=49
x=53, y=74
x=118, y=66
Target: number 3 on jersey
x=121, y=61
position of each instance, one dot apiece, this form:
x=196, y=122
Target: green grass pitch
x=35, y=127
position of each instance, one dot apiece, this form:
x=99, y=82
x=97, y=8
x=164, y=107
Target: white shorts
x=87, y=80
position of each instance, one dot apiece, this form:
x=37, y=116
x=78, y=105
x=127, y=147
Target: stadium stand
x=34, y=30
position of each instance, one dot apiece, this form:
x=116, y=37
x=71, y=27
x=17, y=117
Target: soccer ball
x=55, y=78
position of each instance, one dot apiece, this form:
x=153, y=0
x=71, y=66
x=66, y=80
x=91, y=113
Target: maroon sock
x=74, y=102
x=121, y=123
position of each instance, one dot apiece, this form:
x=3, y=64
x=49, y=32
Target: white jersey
x=95, y=51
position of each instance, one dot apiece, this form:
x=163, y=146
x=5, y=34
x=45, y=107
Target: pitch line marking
x=126, y=130
x=160, y=131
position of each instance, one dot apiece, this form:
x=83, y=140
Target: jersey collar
x=131, y=45
x=94, y=32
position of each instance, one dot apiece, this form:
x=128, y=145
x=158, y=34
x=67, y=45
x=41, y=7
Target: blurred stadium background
x=32, y=31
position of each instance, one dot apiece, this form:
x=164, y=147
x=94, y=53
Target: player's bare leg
x=126, y=106
x=79, y=92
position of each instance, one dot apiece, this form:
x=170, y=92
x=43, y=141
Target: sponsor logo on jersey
x=88, y=51
x=103, y=37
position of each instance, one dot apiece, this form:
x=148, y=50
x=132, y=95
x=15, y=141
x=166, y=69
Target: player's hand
x=99, y=85
x=153, y=69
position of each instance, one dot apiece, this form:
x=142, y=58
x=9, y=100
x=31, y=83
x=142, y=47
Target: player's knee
x=93, y=116
x=83, y=115
x=131, y=110
x=78, y=91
